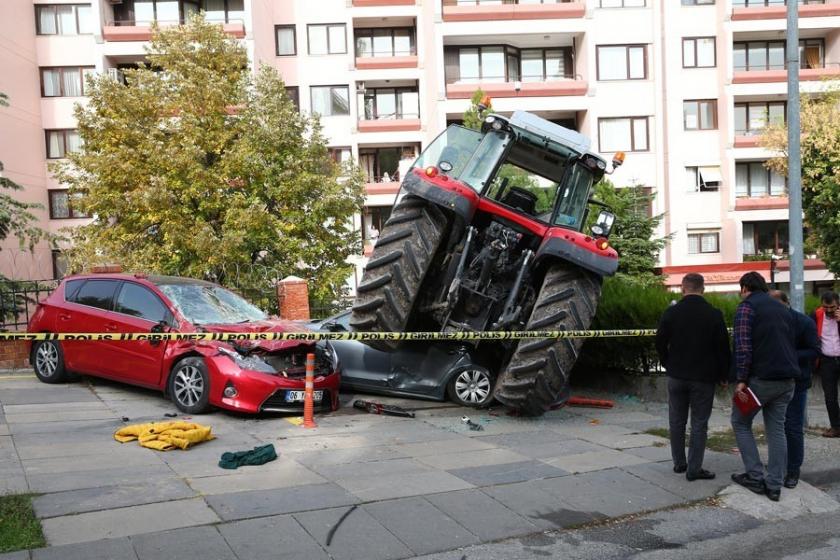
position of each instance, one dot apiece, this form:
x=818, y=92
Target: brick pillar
x=13, y=354
x=293, y=298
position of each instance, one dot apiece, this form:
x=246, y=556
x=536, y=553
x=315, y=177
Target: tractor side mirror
x=604, y=224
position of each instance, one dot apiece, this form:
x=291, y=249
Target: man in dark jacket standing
x=693, y=345
x=807, y=350
x=765, y=362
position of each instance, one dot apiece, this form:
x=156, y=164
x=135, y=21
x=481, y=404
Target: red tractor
x=487, y=235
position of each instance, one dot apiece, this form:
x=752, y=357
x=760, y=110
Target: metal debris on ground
x=379, y=408
x=473, y=426
x=340, y=520
x=170, y=415
x=590, y=403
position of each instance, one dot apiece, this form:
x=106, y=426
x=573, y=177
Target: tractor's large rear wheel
x=538, y=373
x=393, y=276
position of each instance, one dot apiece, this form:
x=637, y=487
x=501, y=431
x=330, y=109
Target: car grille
x=277, y=402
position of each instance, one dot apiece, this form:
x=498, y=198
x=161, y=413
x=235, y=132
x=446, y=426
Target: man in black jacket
x=693, y=345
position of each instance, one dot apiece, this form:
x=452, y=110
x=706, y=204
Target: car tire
x=472, y=386
x=48, y=362
x=189, y=386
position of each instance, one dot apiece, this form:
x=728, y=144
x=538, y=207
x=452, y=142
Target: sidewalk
x=420, y=485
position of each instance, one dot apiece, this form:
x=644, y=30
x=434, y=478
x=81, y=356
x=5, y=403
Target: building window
x=66, y=81
x=699, y=52
x=707, y=242
x=330, y=101
x=751, y=118
x=327, y=39
x=626, y=134
x=770, y=55
x=385, y=41
x=374, y=220
x=697, y=2
x=62, y=142
x=390, y=103
x=61, y=207
x=623, y=3
x=59, y=264
x=766, y=238
x=341, y=155
x=621, y=62
x=753, y=179
x=700, y=114
x=703, y=179
x=64, y=19
x=145, y=12
x=503, y=63
x=293, y=92
x=285, y=38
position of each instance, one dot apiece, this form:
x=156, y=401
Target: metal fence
x=18, y=299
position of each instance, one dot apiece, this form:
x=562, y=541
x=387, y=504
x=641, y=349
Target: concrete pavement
x=421, y=486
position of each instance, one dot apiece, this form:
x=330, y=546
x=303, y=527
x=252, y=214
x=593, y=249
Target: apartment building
x=683, y=86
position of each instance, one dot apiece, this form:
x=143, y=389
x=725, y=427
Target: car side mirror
x=333, y=326
x=160, y=327
x=603, y=224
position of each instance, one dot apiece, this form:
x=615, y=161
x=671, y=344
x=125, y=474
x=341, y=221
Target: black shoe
x=774, y=495
x=680, y=469
x=791, y=481
x=744, y=480
x=703, y=474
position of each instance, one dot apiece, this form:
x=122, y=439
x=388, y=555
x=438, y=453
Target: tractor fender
x=444, y=191
x=576, y=248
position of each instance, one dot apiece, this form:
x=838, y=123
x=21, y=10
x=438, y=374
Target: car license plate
x=297, y=396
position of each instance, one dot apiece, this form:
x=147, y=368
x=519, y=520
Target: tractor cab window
x=574, y=198
x=529, y=181
x=453, y=149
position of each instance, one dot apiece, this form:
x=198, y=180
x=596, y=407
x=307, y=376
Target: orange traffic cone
x=308, y=404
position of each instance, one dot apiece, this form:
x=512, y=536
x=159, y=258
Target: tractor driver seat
x=521, y=199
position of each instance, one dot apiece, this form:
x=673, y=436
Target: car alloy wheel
x=188, y=385
x=472, y=386
x=46, y=359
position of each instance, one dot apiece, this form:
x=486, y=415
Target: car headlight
x=254, y=363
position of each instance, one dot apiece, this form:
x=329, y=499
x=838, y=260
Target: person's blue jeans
x=795, y=429
x=774, y=396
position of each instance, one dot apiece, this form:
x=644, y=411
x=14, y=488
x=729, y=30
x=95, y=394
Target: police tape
x=314, y=336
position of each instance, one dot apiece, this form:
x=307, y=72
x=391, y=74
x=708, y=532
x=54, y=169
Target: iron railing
x=18, y=300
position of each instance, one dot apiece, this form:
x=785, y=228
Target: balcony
x=760, y=61
x=551, y=88
x=379, y=48
x=379, y=3
x=761, y=203
x=133, y=19
x=777, y=9
x=831, y=71
x=493, y=10
x=388, y=107
x=384, y=166
x=133, y=30
x=752, y=117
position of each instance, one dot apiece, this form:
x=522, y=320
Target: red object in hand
x=746, y=402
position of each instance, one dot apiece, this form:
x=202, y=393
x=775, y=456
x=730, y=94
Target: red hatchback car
x=244, y=376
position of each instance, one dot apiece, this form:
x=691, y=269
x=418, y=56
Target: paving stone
x=557, y=449
x=180, y=544
x=123, y=522
x=277, y=538
x=481, y=515
x=4, y=430
x=345, y=456
x=663, y=476
x=459, y=445
x=660, y=453
x=103, y=446
x=360, y=536
x=110, y=497
x=508, y=473
x=414, y=520
x=58, y=416
x=281, y=473
x=19, y=555
x=450, y=461
x=75, y=427
x=243, y=505
x=44, y=483
x=538, y=506
x=800, y=501
x=106, y=549
x=135, y=456
x=523, y=438
x=42, y=394
x=11, y=409
x=594, y=461
x=13, y=484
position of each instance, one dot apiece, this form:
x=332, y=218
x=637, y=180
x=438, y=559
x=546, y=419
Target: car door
x=136, y=310
x=86, y=311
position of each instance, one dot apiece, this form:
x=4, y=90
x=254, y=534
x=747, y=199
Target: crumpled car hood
x=269, y=325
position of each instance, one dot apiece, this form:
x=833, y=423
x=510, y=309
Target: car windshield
x=208, y=304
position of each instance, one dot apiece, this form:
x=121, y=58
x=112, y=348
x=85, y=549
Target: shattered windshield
x=209, y=304
x=455, y=146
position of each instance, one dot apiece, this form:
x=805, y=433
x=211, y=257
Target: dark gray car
x=426, y=370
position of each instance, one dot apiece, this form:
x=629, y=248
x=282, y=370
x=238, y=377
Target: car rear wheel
x=471, y=387
x=189, y=386
x=48, y=362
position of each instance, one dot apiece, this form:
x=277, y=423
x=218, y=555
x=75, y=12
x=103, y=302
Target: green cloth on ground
x=257, y=456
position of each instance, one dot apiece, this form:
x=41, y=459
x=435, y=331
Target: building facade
x=684, y=87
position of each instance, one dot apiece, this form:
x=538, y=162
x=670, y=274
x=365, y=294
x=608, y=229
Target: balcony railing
x=489, y=10
x=141, y=30
x=777, y=9
x=769, y=3
x=828, y=70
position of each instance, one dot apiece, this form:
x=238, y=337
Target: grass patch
x=19, y=528
x=722, y=441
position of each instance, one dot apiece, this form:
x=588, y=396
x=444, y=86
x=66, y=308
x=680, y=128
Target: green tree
x=820, y=150
x=634, y=233
x=474, y=115
x=198, y=168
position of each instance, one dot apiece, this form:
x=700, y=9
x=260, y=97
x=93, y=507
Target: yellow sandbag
x=164, y=436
